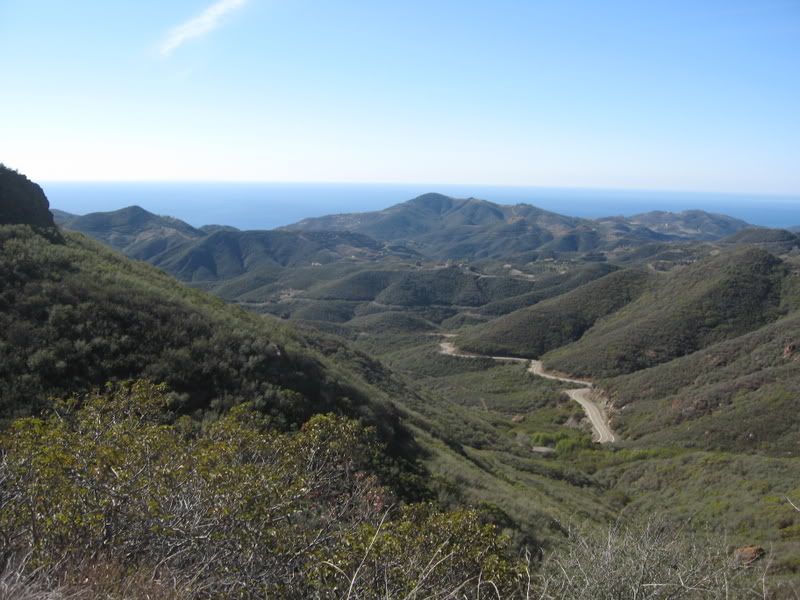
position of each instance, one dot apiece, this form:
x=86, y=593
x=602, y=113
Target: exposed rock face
x=747, y=555
x=22, y=202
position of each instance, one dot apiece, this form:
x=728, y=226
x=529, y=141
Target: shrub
x=238, y=509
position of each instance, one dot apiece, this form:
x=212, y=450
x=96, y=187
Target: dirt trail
x=582, y=395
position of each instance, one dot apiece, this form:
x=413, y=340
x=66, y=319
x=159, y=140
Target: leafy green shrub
x=541, y=438
x=572, y=444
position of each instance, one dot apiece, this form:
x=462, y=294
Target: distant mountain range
x=431, y=226
x=444, y=227
x=689, y=224
x=215, y=252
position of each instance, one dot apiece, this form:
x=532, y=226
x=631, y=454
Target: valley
x=560, y=385
x=582, y=395
x=400, y=300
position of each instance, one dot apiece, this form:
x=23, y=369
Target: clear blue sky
x=662, y=94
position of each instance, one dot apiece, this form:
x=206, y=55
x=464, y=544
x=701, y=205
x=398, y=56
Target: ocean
x=269, y=205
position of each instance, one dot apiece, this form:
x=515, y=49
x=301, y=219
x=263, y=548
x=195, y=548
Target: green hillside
x=228, y=254
x=132, y=230
x=689, y=308
x=761, y=235
x=215, y=252
x=777, y=241
x=553, y=323
x=703, y=429
x=550, y=282
x=75, y=315
x=739, y=394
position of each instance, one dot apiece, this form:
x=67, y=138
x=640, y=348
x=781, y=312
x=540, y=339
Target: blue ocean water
x=268, y=205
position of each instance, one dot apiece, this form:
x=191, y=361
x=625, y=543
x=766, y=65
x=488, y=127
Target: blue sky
x=657, y=94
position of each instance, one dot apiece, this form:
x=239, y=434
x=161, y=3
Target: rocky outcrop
x=22, y=202
x=747, y=555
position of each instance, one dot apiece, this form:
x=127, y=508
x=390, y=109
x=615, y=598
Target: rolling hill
x=132, y=230
x=739, y=394
x=436, y=256
x=224, y=255
x=778, y=241
x=689, y=224
x=550, y=324
x=688, y=309
x=703, y=356
x=75, y=315
x=215, y=252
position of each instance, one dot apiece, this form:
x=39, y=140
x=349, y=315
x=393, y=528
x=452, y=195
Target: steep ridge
x=133, y=230
x=689, y=308
x=75, y=315
x=736, y=395
x=550, y=324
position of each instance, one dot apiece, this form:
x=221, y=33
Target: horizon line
x=432, y=185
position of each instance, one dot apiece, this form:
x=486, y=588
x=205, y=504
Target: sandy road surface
x=582, y=395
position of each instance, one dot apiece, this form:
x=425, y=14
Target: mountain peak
x=434, y=201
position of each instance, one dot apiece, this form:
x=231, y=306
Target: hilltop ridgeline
x=431, y=226
x=444, y=227
x=75, y=315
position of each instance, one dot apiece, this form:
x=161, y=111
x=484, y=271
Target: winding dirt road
x=582, y=395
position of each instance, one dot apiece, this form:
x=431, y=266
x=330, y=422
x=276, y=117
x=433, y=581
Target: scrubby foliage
x=654, y=561
x=551, y=324
x=552, y=280
x=716, y=299
x=75, y=315
x=737, y=395
x=248, y=477
x=235, y=510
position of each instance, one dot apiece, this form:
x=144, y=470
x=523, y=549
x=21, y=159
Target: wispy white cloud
x=198, y=26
